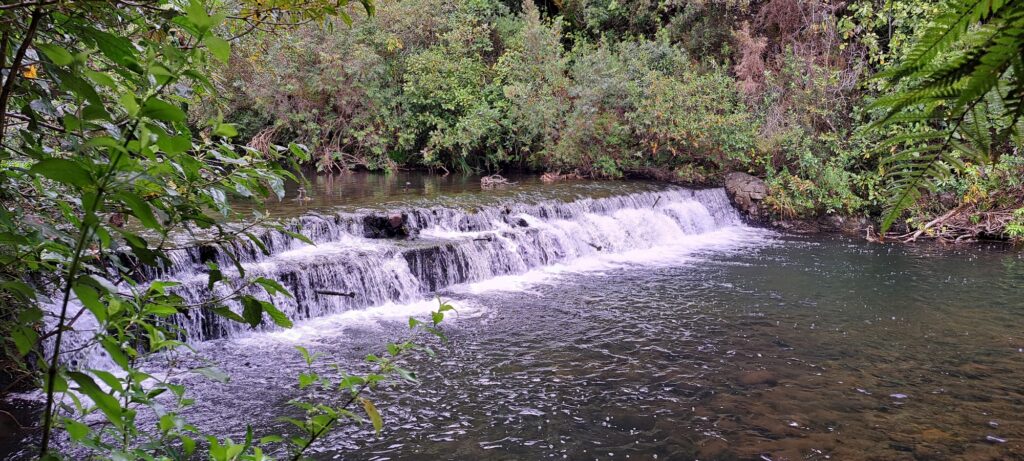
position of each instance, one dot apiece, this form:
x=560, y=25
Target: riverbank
x=947, y=219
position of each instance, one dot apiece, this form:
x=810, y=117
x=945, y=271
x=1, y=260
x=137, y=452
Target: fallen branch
x=350, y=294
x=494, y=180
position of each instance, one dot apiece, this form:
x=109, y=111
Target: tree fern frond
x=942, y=33
x=919, y=137
x=964, y=81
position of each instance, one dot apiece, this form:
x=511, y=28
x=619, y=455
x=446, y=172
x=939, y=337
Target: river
x=622, y=320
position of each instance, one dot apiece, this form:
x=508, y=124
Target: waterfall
x=440, y=247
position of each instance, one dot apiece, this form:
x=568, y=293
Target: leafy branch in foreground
x=320, y=417
x=961, y=85
x=102, y=169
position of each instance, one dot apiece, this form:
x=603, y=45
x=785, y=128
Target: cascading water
x=441, y=247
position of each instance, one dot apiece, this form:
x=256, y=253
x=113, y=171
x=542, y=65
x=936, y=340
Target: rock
x=396, y=220
x=854, y=226
x=746, y=193
x=760, y=377
x=394, y=225
x=934, y=436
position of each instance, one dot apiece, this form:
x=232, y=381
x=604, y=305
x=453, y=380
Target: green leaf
x=173, y=144
x=104, y=401
x=160, y=310
x=213, y=373
x=198, y=17
x=226, y=130
x=116, y=352
x=307, y=379
x=101, y=78
x=24, y=338
x=91, y=300
x=159, y=109
x=118, y=49
x=277, y=316
x=80, y=87
x=272, y=287
x=228, y=314
x=76, y=430
x=252, y=311
x=56, y=54
x=129, y=103
x=63, y=171
x=140, y=209
x=374, y=415
x=214, y=276
x=297, y=236
x=271, y=439
x=220, y=48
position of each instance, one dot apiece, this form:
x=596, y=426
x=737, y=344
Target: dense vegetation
x=120, y=124
x=609, y=88
x=102, y=168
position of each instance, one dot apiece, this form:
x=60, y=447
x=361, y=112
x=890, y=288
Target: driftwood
x=484, y=239
x=494, y=180
x=558, y=176
x=350, y=294
x=961, y=224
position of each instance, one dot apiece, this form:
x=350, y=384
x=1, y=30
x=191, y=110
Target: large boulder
x=393, y=225
x=746, y=193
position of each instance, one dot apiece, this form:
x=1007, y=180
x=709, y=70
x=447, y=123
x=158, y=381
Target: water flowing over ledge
x=447, y=246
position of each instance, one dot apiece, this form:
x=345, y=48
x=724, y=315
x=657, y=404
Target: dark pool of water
x=797, y=348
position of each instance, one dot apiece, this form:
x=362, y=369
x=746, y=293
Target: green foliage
x=602, y=88
x=964, y=85
x=105, y=170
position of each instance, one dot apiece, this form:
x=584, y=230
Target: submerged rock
x=760, y=377
x=746, y=193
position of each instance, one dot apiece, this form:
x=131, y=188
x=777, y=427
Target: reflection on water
x=804, y=349
x=361, y=190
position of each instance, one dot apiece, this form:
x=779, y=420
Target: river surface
x=645, y=328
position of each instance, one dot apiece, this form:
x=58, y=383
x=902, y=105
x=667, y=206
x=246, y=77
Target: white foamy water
x=510, y=246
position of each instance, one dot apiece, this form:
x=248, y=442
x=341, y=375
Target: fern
x=961, y=95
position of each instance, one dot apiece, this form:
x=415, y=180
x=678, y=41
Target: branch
x=38, y=4
x=5, y=94
x=24, y=118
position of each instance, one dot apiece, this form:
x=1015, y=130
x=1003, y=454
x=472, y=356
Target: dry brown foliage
x=750, y=67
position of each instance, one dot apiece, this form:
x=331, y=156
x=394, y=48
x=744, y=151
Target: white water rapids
x=496, y=247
